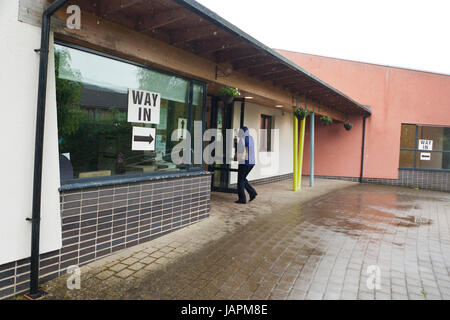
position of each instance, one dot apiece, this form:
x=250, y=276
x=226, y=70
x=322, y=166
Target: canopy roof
x=188, y=25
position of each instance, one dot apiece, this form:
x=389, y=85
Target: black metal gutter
x=224, y=24
x=361, y=175
x=39, y=146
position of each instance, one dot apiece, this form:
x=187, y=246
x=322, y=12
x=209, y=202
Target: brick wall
x=99, y=221
x=431, y=180
x=267, y=180
x=274, y=179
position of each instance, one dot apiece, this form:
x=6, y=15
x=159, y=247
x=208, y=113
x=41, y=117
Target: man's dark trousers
x=243, y=171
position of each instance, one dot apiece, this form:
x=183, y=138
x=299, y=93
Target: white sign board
x=143, y=139
x=426, y=145
x=143, y=106
x=182, y=128
x=425, y=156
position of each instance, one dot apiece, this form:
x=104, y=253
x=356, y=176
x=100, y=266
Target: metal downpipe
x=39, y=145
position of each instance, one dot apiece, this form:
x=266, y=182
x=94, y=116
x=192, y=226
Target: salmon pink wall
x=395, y=95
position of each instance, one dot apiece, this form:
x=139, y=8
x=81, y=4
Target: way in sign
x=145, y=99
x=143, y=106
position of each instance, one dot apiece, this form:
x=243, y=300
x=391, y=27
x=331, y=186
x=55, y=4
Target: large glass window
x=425, y=147
x=95, y=137
x=197, y=127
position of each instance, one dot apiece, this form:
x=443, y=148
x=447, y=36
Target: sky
x=402, y=33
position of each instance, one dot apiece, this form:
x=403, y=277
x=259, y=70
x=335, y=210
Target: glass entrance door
x=223, y=117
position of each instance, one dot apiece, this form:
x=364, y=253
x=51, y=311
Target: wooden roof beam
x=335, y=101
x=178, y=37
x=294, y=80
x=303, y=89
x=317, y=92
x=222, y=57
x=105, y=8
x=270, y=72
x=247, y=65
x=321, y=109
x=288, y=73
x=211, y=46
x=161, y=19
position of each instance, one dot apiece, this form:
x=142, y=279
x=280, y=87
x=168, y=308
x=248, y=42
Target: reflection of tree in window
x=95, y=134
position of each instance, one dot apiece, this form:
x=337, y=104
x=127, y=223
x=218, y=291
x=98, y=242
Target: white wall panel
x=18, y=85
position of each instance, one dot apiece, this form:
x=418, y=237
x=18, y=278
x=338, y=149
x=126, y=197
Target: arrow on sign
x=143, y=139
x=148, y=139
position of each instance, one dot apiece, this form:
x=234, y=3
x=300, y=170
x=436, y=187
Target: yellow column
x=295, y=175
x=300, y=153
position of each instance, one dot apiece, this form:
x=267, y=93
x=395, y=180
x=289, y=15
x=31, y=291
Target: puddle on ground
x=367, y=211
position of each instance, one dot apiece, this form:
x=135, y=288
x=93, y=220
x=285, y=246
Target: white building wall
x=18, y=85
x=268, y=164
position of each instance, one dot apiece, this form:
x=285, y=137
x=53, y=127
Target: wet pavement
x=340, y=240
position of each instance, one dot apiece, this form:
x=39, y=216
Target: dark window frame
x=268, y=132
x=416, y=150
x=118, y=179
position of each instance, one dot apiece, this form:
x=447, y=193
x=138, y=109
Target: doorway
x=222, y=116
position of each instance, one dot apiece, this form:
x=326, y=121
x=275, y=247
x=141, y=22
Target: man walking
x=246, y=152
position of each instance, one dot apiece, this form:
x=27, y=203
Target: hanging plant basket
x=227, y=99
x=228, y=94
x=326, y=121
x=348, y=126
x=301, y=113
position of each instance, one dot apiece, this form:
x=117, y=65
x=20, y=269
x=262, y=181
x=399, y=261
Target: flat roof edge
x=376, y=64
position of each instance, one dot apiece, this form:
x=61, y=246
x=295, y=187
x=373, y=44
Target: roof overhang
x=188, y=25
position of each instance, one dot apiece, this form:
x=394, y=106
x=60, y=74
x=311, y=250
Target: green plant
x=326, y=120
x=348, y=126
x=68, y=94
x=301, y=113
x=228, y=92
x=424, y=293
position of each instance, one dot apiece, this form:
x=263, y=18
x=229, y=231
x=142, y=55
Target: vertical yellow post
x=295, y=176
x=300, y=153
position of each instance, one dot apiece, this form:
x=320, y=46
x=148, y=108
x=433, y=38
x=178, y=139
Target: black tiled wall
x=431, y=180
x=99, y=221
x=274, y=179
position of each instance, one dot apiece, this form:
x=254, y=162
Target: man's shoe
x=241, y=202
x=253, y=198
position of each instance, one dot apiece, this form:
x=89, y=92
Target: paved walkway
x=315, y=244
